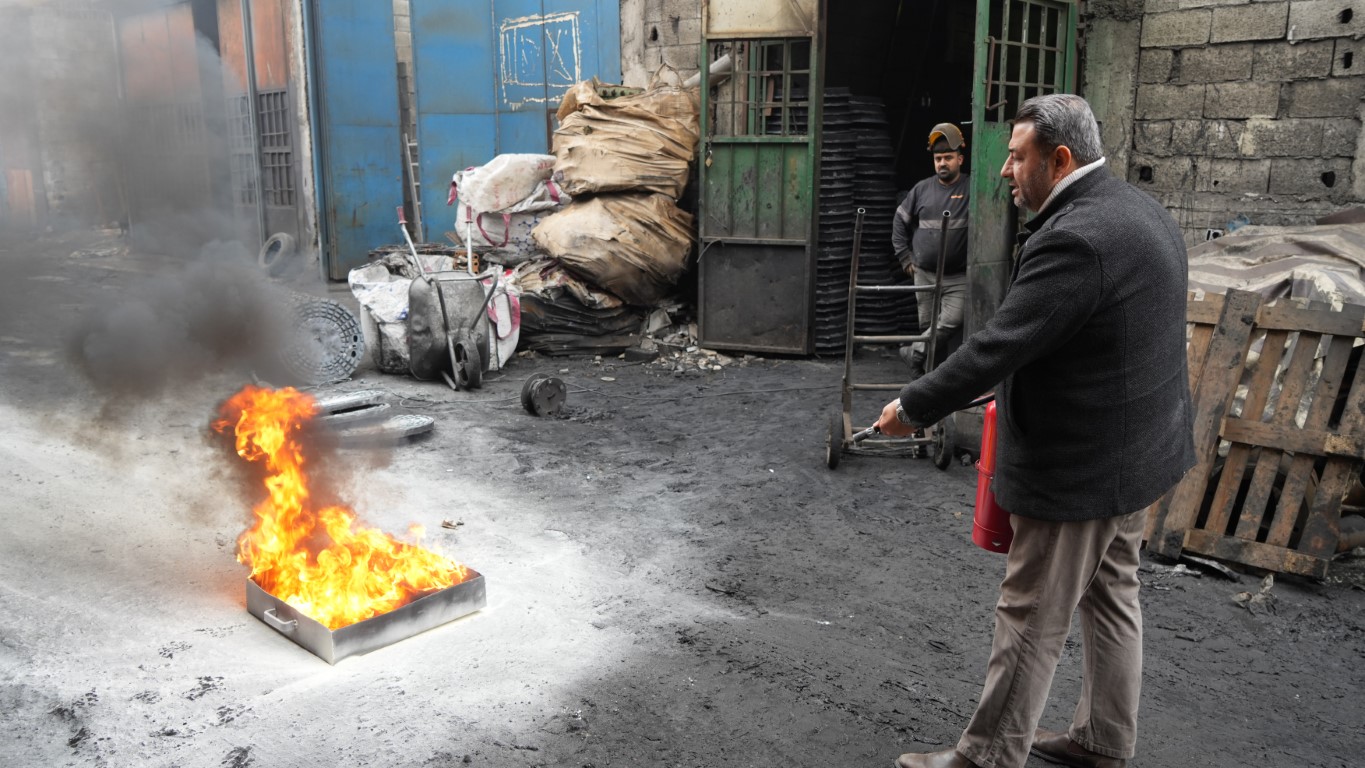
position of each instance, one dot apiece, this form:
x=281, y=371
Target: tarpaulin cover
x=1324, y=262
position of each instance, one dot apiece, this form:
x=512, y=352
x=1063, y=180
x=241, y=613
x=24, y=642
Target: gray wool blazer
x=1087, y=357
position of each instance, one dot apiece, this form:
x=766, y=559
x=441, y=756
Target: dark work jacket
x=918, y=227
x=1087, y=355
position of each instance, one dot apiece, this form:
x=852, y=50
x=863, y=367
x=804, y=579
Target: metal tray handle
x=278, y=624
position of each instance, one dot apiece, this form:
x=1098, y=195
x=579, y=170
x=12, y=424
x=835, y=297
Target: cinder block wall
x=407, y=88
x=1246, y=109
x=659, y=32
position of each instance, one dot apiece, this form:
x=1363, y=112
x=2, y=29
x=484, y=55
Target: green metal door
x=1024, y=48
x=756, y=210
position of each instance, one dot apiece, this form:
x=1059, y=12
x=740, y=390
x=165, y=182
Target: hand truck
x=939, y=439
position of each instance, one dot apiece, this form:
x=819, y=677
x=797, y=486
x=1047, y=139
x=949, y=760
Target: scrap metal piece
x=389, y=431
x=543, y=395
x=331, y=646
x=346, y=408
x=351, y=416
x=345, y=401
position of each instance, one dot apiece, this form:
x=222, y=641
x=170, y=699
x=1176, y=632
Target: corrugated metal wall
x=357, y=80
x=490, y=74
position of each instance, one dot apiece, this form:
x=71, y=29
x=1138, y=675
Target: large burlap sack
x=632, y=245
x=640, y=143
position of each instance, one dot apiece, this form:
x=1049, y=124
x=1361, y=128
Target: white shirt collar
x=1068, y=180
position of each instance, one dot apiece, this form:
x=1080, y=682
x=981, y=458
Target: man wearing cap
x=916, y=233
x=1087, y=358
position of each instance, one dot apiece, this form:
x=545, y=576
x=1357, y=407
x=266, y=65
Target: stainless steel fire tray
x=332, y=646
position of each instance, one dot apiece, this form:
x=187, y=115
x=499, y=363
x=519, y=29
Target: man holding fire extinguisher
x=1087, y=357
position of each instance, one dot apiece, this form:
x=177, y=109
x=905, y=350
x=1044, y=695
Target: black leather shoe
x=948, y=758
x=1058, y=748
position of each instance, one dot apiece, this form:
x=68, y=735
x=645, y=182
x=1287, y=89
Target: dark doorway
x=893, y=70
x=913, y=56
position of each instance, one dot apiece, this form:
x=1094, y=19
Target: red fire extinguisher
x=990, y=524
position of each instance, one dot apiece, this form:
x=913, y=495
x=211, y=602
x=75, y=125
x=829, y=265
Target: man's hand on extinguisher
x=890, y=424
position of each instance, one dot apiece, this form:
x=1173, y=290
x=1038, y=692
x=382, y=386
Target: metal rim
x=548, y=396
x=528, y=391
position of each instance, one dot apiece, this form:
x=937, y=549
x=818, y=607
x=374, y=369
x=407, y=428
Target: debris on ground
x=1262, y=601
x=1211, y=565
x=113, y=245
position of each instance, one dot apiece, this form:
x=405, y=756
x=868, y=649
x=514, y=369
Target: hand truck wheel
x=945, y=441
x=834, y=440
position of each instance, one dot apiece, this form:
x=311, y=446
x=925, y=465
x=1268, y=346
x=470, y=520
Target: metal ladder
x=410, y=159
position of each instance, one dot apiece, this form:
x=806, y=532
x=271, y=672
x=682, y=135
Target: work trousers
x=1052, y=570
x=952, y=300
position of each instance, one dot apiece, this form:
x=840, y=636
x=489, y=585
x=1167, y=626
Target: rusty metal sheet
x=756, y=297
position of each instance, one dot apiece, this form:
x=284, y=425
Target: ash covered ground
x=674, y=579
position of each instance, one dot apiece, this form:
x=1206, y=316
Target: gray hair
x=1064, y=120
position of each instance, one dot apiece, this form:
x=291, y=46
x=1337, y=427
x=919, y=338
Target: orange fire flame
x=316, y=560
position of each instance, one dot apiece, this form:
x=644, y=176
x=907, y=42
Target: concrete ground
x=674, y=577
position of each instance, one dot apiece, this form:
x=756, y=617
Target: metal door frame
x=990, y=249
x=707, y=238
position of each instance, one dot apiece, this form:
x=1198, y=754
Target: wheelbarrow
x=448, y=325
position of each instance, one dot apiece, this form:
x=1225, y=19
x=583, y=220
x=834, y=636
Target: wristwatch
x=901, y=417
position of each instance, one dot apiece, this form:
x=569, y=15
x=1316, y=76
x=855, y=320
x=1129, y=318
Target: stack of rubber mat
x=874, y=185
x=834, y=255
x=564, y=326
x=857, y=170
x=796, y=115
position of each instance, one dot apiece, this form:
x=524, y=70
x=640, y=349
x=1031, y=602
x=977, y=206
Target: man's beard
x=1034, y=185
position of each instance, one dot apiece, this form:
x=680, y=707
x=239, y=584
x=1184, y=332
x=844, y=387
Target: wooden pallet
x=1271, y=498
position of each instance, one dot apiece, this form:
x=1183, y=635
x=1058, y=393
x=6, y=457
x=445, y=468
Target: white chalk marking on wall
x=536, y=53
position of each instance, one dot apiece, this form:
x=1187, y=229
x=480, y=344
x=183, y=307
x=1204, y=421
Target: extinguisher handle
x=980, y=401
x=866, y=433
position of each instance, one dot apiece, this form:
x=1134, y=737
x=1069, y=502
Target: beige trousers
x=1052, y=570
x=952, y=301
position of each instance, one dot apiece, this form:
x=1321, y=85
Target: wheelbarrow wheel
x=945, y=442
x=834, y=440
x=468, y=364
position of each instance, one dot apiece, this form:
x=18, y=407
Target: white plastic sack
x=383, y=298
x=504, y=237
x=507, y=184
x=504, y=323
